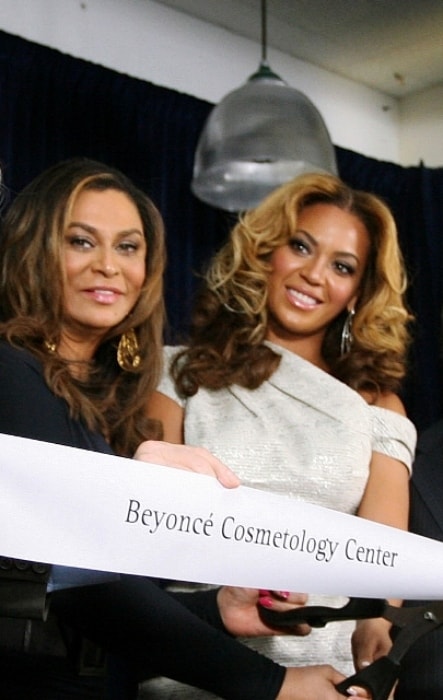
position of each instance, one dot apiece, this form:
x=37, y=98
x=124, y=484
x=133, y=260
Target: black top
x=421, y=674
x=184, y=630
x=29, y=409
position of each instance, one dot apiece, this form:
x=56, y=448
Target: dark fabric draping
x=415, y=196
x=54, y=106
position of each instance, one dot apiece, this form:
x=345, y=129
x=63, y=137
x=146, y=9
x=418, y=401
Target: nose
x=105, y=262
x=313, y=271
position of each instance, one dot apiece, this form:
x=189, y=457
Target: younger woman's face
x=104, y=260
x=317, y=274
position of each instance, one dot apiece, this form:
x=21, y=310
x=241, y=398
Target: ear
x=352, y=303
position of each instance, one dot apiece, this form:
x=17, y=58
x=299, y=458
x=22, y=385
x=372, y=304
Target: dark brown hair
x=111, y=401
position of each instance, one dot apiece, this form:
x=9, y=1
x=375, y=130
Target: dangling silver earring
x=346, y=334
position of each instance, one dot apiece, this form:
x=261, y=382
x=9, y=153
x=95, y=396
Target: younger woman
x=292, y=372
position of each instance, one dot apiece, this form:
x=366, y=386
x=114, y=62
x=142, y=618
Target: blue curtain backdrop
x=53, y=106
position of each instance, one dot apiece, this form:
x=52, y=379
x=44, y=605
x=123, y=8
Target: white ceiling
x=395, y=46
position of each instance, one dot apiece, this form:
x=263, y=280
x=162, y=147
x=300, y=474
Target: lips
x=302, y=300
x=103, y=295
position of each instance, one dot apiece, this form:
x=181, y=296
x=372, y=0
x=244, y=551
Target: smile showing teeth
x=302, y=299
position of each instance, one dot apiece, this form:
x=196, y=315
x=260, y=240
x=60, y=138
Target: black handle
x=379, y=678
x=319, y=615
x=23, y=588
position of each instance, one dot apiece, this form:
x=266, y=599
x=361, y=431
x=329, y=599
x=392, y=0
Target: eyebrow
x=93, y=230
x=314, y=242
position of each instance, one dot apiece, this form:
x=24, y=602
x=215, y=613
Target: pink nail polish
x=266, y=601
x=283, y=594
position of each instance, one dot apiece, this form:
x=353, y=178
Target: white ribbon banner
x=83, y=509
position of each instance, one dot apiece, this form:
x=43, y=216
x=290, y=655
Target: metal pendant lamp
x=258, y=137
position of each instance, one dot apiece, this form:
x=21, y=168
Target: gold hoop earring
x=346, y=334
x=128, y=356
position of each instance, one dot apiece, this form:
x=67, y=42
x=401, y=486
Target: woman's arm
x=170, y=414
x=176, y=635
x=237, y=612
x=385, y=500
x=386, y=496
x=27, y=406
x=192, y=459
x=173, y=452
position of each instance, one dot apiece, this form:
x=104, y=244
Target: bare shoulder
x=157, y=398
x=392, y=402
x=387, y=400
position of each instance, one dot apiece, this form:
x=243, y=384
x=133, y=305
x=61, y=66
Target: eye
x=298, y=245
x=79, y=242
x=344, y=268
x=129, y=247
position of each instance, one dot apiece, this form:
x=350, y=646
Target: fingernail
x=363, y=664
x=352, y=691
x=263, y=591
x=266, y=601
x=283, y=594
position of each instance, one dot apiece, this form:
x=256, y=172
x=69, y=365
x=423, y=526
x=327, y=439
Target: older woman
x=81, y=310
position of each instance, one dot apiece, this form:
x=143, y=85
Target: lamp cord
x=264, y=58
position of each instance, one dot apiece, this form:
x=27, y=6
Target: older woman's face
x=317, y=274
x=104, y=260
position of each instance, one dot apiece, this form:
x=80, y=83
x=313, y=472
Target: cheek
x=282, y=263
x=137, y=276
x=343, y=293
x=69, y=277
x=71, y=267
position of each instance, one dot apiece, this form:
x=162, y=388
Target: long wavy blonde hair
x=230, y=318
x=110, y=401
